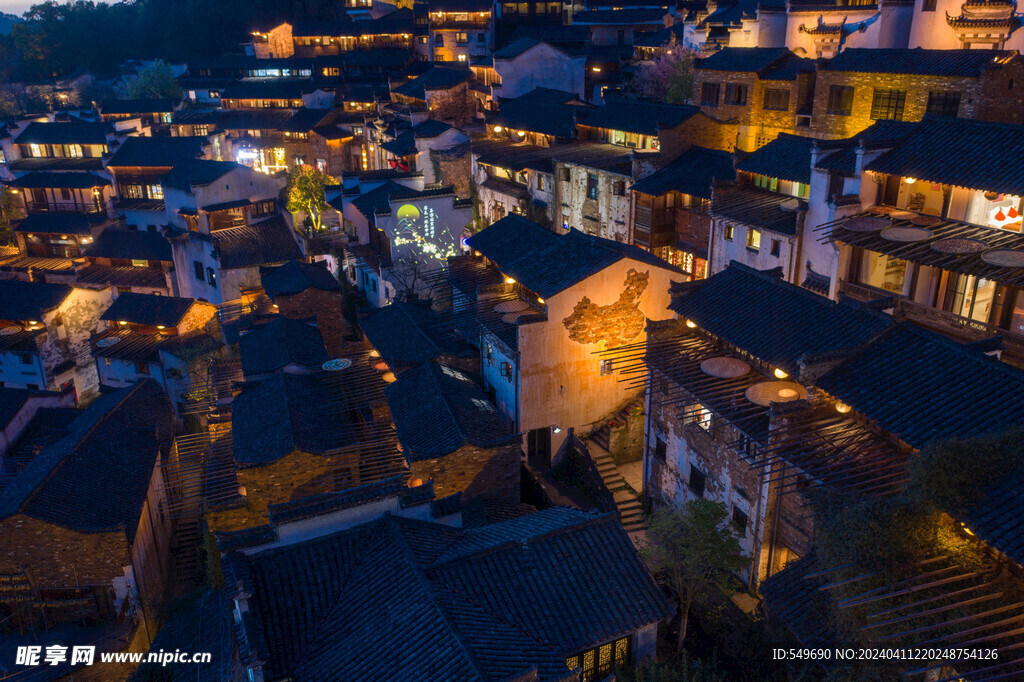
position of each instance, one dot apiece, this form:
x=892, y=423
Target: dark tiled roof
x=304, y=120
x=774, y=320
x=598, y=155
x=268, y=88
x=756, y=207
x=924, y=387
x=273, y=417
x=637, y=115
x=554, y=34
x=542, y=110
x=56, y=163
x=437, y=410
x=296, y=276
x=436, y=78
x=60, y=223
x=69, y=483
x=459, y=5
x=516, y=48
x=402, y=145
x=11, y=402
x=130, y=244
x=279, y=343
x=547, y=263
x=918, y=62
x=253, y=119
x=962, y=152
x=430, y=129
x=138, y=106
x=639, y=15
x=840, y=156
x=29, y=300
x=124, y=276
x=197, y=172
x=998, y=518
x=743, y=59
x=375, y=602
x=788, y=68
x=77, y=132
x=411, y=333
x=270, y=241
x=157, y=151
x=316, y=505
x=793, y=602
x=148, y=309
x=692, y=173
x=787, y=157
x=204, y=624
x=57, y=179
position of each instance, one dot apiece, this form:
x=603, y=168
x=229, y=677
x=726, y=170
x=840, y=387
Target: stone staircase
x=630, y=512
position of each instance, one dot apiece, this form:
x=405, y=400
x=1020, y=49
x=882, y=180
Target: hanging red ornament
x=1000, y=216
x=1012, y=212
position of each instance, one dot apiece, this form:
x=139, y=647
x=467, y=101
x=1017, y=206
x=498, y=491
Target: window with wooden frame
x=735, y=94
x=709, y=94
x=599, y=662
x=739, y=520
x=840, y=100
x=887, y=105
x=506, y=370
x=776, y=99
x=943, y=104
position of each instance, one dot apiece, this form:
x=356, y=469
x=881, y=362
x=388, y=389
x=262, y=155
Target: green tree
x=306, y=194
x=153, y=81
x=692, y=547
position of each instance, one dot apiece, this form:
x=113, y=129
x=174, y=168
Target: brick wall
x=700, y=130
x=473, y=471
x=325, y=306
x=455, y=105
x=917, y=88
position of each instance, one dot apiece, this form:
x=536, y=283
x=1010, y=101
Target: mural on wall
x=617, y=323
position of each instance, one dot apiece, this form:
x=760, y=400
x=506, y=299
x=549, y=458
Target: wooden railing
x=951, y=324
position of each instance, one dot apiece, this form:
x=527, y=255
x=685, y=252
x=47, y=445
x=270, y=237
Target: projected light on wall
x=421, y=228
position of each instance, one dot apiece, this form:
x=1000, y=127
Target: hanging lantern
x=1000, y=216
x=1013, y=213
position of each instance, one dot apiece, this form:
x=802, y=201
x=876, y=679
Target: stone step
x=635, y=526
x=628, y=509
x=622, y=496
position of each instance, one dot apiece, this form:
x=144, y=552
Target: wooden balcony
x=963, y=329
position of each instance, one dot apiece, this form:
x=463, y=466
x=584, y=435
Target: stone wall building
x=301, y=290
x=82, y=545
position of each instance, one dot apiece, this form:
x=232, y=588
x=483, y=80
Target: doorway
x=538, y=443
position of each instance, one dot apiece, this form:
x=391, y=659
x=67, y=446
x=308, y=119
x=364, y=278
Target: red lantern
x=1013, y=212
x=1000, y=216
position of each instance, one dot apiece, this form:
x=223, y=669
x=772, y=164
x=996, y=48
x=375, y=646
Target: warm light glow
x=557, y=429
x=596, y=69
x=389, y=378
x=122, y=322
x=63, y=236
x=374, y=354
x=33, y=321
x=159, y=326
x=497, y=129
x=274, y=306
x=842, y=408
x=779, y=374
x=415, y=482
x=521, y=133
x=509, y=280
x=691, y=324
x=966, y=529
x=540, y=300
x=909, y=181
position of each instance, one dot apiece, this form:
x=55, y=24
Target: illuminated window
x=35, y=150
x=753, y=239
x=139, y=263
x=155, y=191
x=701, y=416
x=591, y=186
x=133, y=191
x=607, y=367
x=599, y=662
x=462, y=57
x=73, y=151
x=729, y=230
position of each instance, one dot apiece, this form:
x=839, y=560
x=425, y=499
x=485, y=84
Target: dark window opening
x=840, y=100
x=943, y=104
x=735, y=94
x=776, y=100
x=709, y=94
x=887, y=105
x=697, y=479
